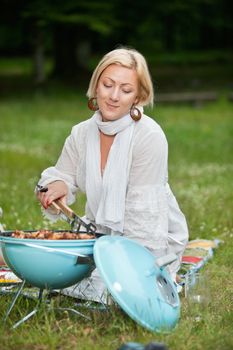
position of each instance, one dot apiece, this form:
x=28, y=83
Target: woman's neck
x=106, y=142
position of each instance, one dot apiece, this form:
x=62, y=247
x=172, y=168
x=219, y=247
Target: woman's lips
x=111, y=106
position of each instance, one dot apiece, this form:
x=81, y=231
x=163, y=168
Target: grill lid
x=141, y=287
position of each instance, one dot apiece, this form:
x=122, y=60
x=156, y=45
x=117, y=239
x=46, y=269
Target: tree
x=71, y=31
x=73, y=26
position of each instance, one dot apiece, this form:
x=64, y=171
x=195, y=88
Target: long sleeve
x=152, y=215
x=177, y=230
x=70, y=166
x=65, y=169
x=146, y=202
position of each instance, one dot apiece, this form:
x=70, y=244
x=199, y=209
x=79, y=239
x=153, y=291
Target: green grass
x=33, y=128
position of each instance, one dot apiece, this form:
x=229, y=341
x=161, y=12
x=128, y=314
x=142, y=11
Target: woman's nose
x=115, y=94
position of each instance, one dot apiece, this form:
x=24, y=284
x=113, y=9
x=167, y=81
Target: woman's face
x=116, y=92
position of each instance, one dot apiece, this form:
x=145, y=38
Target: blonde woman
x=118, y=157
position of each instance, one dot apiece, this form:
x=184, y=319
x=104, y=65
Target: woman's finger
x=53, y=191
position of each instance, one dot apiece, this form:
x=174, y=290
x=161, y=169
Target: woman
x=118, y=157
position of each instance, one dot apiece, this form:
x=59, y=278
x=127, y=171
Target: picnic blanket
x=7, y=277
x=197, y=253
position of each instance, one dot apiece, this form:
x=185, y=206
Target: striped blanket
x=197, y=253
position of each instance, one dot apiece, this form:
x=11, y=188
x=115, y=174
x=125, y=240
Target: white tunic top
x=152, y=215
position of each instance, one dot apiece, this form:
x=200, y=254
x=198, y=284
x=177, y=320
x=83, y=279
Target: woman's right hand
x=56, y=190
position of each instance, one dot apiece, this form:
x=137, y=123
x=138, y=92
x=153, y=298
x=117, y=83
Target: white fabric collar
x=106, y=195
x=113, y=127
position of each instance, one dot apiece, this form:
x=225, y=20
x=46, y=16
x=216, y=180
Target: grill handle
x=166, y=260
x=160, y=264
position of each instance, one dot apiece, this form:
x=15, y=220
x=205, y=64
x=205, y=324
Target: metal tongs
x=67, y=214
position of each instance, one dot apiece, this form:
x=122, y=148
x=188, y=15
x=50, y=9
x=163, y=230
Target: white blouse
x=152, y=215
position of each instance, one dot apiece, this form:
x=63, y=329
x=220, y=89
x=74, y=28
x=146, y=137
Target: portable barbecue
x=137, y=282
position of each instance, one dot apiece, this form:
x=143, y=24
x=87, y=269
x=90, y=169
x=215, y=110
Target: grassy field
x=33, y=128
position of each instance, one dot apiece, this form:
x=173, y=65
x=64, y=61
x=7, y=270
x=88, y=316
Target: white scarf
x=106, y=195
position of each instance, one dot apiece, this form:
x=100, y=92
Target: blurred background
x=188, y=44
x=48, y=49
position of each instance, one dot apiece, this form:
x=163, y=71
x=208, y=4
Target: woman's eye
x=127, y=91
x=107, y=85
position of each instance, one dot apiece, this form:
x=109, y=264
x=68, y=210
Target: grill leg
x=14, y=301
x=74, y=311
x=33, y=312
x=25, y=318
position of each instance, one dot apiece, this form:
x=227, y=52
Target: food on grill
x=47, y=234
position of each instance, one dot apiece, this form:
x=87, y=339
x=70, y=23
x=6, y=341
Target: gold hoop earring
x=92, y=104
x=135, y=113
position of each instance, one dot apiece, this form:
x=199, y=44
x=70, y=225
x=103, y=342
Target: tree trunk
x=71, y=53
x=169, y=32
x=39, y=59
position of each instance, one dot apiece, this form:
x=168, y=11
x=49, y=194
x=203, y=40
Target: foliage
x=71, y=32
x=92, y=14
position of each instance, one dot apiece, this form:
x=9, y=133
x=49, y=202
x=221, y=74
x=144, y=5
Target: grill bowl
x=48, y=264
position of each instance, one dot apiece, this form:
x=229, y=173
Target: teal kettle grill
x=137, y=281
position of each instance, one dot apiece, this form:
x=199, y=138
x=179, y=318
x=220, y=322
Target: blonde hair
x=128, y=58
